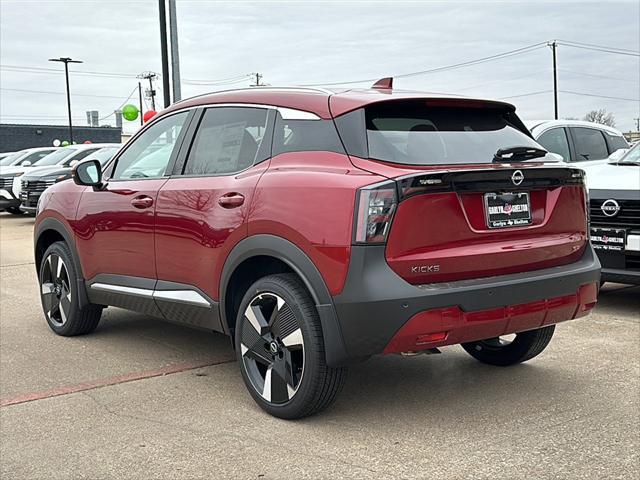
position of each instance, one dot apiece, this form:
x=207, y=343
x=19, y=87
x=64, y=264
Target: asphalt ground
x=144, y=399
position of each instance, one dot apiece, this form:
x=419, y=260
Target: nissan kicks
x=317, y=228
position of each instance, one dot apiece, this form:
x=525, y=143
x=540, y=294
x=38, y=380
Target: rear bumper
x=379, y=312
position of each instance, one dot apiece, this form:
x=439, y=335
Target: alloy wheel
x=55, y=289
x=272, y=348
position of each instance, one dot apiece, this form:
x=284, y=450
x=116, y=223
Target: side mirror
x=88, y=173
x=26, y=163
x=617, y=155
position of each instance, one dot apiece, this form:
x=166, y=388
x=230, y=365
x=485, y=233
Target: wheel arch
x=49, y=231
x=287, y=257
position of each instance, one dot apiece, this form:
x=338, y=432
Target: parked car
x=578, y=141
x=6, y=155
x=61, y=157
x=318, y=228
x=11, y=168
x=26, y=157
x=614, y=190
x=37, y=180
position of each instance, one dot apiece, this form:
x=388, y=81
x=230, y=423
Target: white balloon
x=56, y=143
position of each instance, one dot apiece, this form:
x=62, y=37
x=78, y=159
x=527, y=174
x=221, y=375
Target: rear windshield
x=410, y=133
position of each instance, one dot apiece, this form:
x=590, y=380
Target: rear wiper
x=518, y=153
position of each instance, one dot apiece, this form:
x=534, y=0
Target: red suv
x=318, y=228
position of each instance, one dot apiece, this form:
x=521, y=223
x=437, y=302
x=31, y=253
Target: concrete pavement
x=106, y=405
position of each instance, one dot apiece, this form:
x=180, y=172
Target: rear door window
x=228, y=140
x=555, y=140
x=412, y=133
x=589, y=144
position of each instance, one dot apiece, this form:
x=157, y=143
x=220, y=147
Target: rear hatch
x=460, y=211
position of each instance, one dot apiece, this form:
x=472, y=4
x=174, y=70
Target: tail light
x=374, y=212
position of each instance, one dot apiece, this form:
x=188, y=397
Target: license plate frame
x=600, y=242
x=504, y=202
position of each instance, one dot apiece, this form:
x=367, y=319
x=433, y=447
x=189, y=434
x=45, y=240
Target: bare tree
x=600, y=116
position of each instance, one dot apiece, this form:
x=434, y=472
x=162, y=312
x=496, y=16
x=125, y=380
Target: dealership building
x=14, y=137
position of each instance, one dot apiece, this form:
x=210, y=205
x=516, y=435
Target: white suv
x=577, y=141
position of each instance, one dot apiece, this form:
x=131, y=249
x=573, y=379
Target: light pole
x=67, y=61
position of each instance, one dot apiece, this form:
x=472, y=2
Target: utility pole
x=258, y=78
x=140, y=100
x=67, y=61
x=554, y=46
x=151, y=76
x=637, y=124
x=175, y=59
x=166, y=94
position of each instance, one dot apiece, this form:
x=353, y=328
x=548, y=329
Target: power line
x=570, y=92
x=605, y=50
x=600, y=96
x=498, y=56
x=526, y=94
x=20, y=90
x=242, y=79
x=599, y=47
x=502, y=80
x=135, y=89
x=597, y=76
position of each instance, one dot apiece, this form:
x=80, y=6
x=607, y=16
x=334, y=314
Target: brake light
x=375, y=208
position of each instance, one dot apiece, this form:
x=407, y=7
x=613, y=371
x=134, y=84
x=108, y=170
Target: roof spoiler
x=384, y=84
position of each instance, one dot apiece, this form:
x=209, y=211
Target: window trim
x=181, y=163
x=172, y=159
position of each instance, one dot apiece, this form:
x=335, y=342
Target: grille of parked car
x=32, y=189
x=36, y=185
x=627, y=217
x=6, y=182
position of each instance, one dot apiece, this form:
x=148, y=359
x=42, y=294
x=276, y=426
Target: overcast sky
x=295, y=43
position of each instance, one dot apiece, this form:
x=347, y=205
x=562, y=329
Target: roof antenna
x=384, y=84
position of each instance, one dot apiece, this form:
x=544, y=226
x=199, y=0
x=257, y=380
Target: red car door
x=114, y=226
x=201, y=211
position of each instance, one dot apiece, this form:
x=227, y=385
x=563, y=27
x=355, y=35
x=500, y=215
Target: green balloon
x=65, y=143
x=130, y=112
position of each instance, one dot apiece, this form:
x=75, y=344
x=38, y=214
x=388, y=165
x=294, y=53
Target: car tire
x=58, y=277
x=15, y=211
x=525, y=346
x=280, y=349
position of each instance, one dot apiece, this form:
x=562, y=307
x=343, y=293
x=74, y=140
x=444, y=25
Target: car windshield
x=9, y=159
x=632, y=156
x=104, y=154
x=56, y=157
x=413, y=133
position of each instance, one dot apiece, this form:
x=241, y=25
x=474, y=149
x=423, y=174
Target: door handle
x=231, y=200
x=142, y=201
